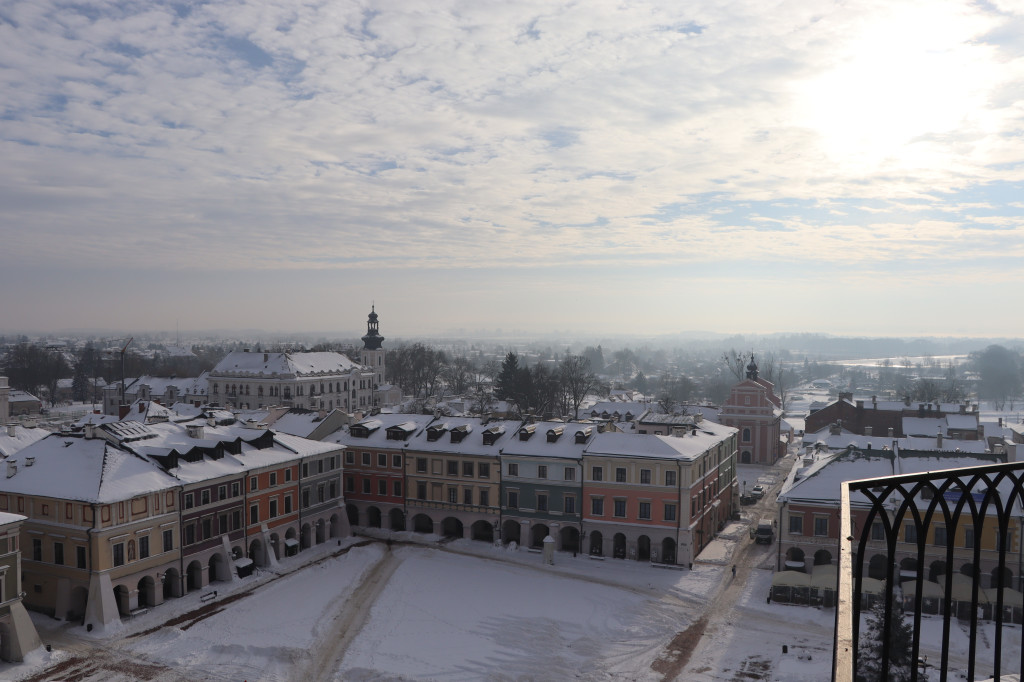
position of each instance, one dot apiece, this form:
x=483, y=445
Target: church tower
x=372, y=355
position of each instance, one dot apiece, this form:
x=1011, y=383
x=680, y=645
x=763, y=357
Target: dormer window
x=460, y=432
x=436, y=431
x=491, y=435
x=527, y=431
x=583, y=434
x=554, y=433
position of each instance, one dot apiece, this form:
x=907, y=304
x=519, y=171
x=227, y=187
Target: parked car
x=747, y=498
x=765, y=533
x=757, y=491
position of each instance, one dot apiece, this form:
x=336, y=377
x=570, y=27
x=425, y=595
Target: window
x=569, y=474
x=190, y=534
x=118, y=554
x=350, y=484
x=645, y=510
x=188, y=501
x=80, y=557
x=746, y=433
x=467, y=468
x=569, y=504
x=168, y=536
x=969, y=537
x=542, y=471
x=254, y=514
x=910, y=533
x=620, y=508
x=382, y=460
x=236, y=519
x=796, y=524
x=350, y=457
x=287, y=504
x=877, y=531
x=453, y=495
x=513, y=469
x=821, y=526
x=253, y=483
x=542, y=502
x=513, y=499
x=670, y=512
x=207, y=528
x=382, y=487
x=597, y=506
x=222, y=492
x=453, y=467
x=273, y=478
x=288, y=474
x=483, y=470
x=204, y=496
x=222, y=523
x=597, y=473
x=396, y=488
x=37, y=549
x=421, y=465
x=645, y=476
x=467, y=496
x=421, y=490
x=485, y=497
x=366, y=486
x=940, y=536
x=670, y=478
x=366, y=459
x=236, y=489
x=58, y=553
x=396, y=461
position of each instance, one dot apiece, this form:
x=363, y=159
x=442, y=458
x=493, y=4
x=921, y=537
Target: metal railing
x=983, y=498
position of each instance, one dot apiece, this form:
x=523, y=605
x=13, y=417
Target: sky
x=595, y=167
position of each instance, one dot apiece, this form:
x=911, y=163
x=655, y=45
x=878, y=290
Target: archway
x=570, y=537
x=291, y=545
x=218, y=568
x=306, y=537
x=275, y=545
x=321, y=531
x=451, y=527
x=668, y=550
x=619, y=546
x=256, y=553
x=795, y=559
x=194, y=576
x=877, y=567
x=335, y=526
x=745, y=457
x=421, y=523
x=353, y=514
x=537, y=535
x=822, y=557
x=79, y=600
x=172, y=583
x=373, y=517
x=1004, y=579
x=510, y=532
x=596, y=543
x=122, y=599
x=482, y=530
x=147, y=592
x=969, y=570
x=936, y=570
x=397, y=517
x=643, y=548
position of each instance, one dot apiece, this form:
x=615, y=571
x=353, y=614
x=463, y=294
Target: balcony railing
x=988, y=500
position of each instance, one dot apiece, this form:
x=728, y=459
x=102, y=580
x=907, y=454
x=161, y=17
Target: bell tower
x=372, y=355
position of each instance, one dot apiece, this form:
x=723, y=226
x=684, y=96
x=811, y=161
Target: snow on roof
x=22, y=438
x=686, y=447
x=820, y=481
x=6, y=518
x=622, y=407
x=962, y=421
x=16, y=396
x=297, y=423
x=537, y=445
x=298, y=364
x=378, y=430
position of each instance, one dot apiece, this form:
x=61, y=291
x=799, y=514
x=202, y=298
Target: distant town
x=137, y=472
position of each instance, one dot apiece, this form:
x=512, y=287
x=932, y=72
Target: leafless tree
x=577, y=380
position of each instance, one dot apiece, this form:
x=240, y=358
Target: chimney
x=963, y=408
x=938, y=438
x=836, y=428
x=29, y=461
x=142, y=407
x=12, y=467
x=196, y=431
x=860, y=404
x=11, y=430
x=90, y=432
x=906, y=401
x=1000, y=422
x=867, y=430
x=266, y=357
x=874, y=401
x=890, y=434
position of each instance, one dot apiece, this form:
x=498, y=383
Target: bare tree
x=577, y=380
x=734, y=362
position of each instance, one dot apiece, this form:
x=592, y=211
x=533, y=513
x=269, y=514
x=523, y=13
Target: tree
x=31, y=367
x=735, y=364
x=576, y=380
x=1000, y=374
x=595, y=356
x=458, y=373
x=869, y=651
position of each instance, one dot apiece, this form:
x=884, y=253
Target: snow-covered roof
x=377, y=427
x=238, y=363
x=685, y=448
x=564, y=444
x=22, y=438
x=16, y=396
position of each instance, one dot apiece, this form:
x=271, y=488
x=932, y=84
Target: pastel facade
x=18, y=635
x=755, y=411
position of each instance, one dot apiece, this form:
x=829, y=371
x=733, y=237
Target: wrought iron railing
x=984, y=499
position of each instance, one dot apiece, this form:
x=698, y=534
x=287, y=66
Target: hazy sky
x=655, y=167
